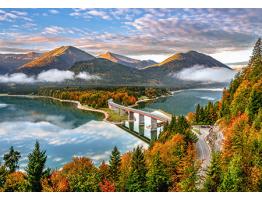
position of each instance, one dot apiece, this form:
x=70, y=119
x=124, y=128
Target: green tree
x=157, y=178
x=36, y=168
x=136, y=181
x=255, y=101
x=213, y=176
x=197, y=113
x=234, y=177
x=202, y=116
x=254, y=72
x=114, y=164
x=3, y=175
x=182, y=125
x=257, y=51
x=11, y=159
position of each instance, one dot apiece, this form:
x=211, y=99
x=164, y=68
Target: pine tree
x=197, y=113
x=255, y=101
x=172, y=124
x=136, y=181
x=233, y=178
x=157, y=178
x=257, y=51
x=214, y=172
x=182, y=125
x=255, y=62
x=11, y=159
x=35, y=168
x=201, y=116
x=114, y=164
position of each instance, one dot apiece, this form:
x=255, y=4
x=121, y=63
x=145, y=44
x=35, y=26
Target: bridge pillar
x=130, y=116
x=141, y=119
x=153, y=124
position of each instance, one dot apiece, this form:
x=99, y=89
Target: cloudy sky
x=226, y=34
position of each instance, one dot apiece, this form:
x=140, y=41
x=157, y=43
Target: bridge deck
x=154, y=116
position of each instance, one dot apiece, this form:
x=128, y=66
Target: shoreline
x=174, y=92
x=150, y=99
x=78, y=104
x=86, y=108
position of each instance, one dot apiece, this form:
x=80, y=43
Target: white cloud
x=53, y=30
x=205, y=74
x=86, y=76
x=55, y=75
x=53, y=11
x=11, y=16
x=101, y=14
x=17, y=78
x=52, y=75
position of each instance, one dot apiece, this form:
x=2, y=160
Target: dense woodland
x=97, y=98
x=170, y=163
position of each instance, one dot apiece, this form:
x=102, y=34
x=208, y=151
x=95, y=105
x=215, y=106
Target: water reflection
x=142, y=126
x=62, y=130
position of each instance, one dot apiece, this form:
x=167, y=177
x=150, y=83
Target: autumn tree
x=104, y=171
x=11, y=159
x=16, y=182
x=82, y=175
x=107, y=186
x=125, y=170
x=187, y=171
x=56, y=182
x=36, y=168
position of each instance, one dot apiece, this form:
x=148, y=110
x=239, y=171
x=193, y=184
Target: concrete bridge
x=152, y=121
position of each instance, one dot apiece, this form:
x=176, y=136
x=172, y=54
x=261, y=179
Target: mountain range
x=112, y=68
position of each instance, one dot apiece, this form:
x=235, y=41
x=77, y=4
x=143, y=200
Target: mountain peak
x=124, y=60
x=61, y=58
x=189, y=59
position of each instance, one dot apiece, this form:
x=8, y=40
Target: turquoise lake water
x=64, y=131
x=183, y=101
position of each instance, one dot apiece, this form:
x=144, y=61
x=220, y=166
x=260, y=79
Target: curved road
x=203, y=149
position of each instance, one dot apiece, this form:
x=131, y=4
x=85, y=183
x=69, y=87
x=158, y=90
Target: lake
x=183, y=101
x=64, y=131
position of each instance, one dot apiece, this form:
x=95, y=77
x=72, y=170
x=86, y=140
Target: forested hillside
x=239, y=166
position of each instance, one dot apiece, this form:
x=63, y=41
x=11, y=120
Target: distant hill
x=110, y=72
x=134, y=63
x=181, y=61
x=9, y=62
x=61, y=58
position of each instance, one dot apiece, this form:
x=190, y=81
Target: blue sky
x=226, y=34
